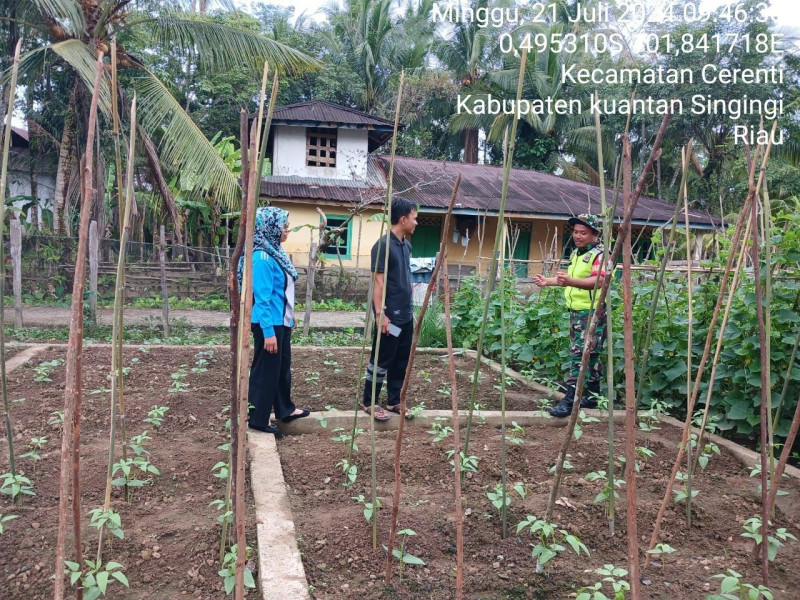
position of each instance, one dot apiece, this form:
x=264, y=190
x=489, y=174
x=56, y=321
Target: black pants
x=270, y=377
x=392, y=363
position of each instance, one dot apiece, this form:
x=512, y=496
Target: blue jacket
x=273, y=294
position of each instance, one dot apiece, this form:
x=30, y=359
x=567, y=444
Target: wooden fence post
x=94, y=246
x=164, y=292
x=312, y=260
x=16, y=263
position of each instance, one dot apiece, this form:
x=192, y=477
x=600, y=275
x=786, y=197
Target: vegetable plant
x=752, y=530
x=156, y=415
x=5, y=519
x=404, y=557
x=44, y=369
x=178, y=383
x=608, y=488
x=34, y=447
x=515, y=433
x=496, y=496
x=611, y=575
x=733, y=588
x=228, y=570
x=551, y=540
x=94, y=581
x=469, y=464
x=110, y=519
x=350, y=471
x=438, y=430
x=16, y=486
x=323, y=422
x=369, y=510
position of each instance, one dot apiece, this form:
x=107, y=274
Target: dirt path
x=49, y=316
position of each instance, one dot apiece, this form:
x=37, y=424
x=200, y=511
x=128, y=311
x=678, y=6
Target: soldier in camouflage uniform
x=581, y=282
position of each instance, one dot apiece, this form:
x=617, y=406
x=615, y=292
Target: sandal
x=395, y=408
x=378, y=415
x=304, y=412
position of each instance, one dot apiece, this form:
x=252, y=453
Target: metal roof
x=429, y=183
x=325, y=112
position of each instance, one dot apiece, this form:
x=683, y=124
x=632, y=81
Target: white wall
x=289, y=154
x=19, y=184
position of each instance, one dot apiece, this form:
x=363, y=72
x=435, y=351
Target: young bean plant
x=178, y=383
x=615, y=576
x=752, y=530
x=551, y=540
x=16, y=486
x=369, y=510
x=228, y=570
x=43, y=370
x=94, y=581
x=733, y=588
x=5, y=519
x=156, y=415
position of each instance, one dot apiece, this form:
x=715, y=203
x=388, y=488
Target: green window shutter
x=341, y=247
x=521, y=252
x=426, y=241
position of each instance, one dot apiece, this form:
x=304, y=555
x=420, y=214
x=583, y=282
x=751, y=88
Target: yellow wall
x=298, y=243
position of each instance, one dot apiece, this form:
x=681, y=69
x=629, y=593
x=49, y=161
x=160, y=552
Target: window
x=320, y=147
x=340, y=247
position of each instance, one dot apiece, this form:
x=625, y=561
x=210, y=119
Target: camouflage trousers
x=578, y=324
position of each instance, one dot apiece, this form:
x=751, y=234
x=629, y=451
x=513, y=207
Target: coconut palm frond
x=66, y=13
x=569, y=170
x=220, y=47
x=788, y=151
x=183, y=146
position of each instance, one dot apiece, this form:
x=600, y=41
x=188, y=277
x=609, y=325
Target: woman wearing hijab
x=272, y=321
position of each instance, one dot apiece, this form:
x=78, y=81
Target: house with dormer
x=328, y=160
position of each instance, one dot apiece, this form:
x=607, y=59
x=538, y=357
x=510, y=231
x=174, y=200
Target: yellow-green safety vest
x=580, y=267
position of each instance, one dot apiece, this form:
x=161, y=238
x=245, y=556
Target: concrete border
x=25, y=355
x=280, y=567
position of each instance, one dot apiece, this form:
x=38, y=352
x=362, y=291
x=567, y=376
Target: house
x=24, y=173
x=325, y=160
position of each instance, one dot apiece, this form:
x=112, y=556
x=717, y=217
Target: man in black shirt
x=397, y=326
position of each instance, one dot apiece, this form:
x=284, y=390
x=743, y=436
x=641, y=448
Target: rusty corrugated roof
x=429, y=183
x=325, y=112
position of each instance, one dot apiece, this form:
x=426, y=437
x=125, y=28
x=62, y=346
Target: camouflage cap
x=591, y=221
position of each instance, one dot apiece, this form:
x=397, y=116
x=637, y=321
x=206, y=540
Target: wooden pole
x=310, y=274
x=94, y=246
x=70, y=441
x=399, y=440
x=162, y=258
x=459, y=512
x=630, y=383
x=16, y=267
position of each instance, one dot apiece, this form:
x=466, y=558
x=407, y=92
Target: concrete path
x=49, y=316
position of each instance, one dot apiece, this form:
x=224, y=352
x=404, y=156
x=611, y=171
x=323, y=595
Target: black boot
x=589, y=397
x=564, y=407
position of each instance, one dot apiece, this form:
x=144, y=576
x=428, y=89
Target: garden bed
x=171, y=542
x=335, y=538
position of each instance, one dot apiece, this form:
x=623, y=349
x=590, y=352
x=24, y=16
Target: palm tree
x=67, y=34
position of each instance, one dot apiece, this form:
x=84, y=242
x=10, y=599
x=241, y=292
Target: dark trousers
x=270, y=377
x=392, y=363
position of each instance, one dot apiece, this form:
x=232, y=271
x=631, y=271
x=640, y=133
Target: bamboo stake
x=235, y=299
x=245, y=310
x=751, y=197
x=609, y=219
x=767, y=321
x=116, y=334
x=459, y=514
x=407, y=379
x=3, y=180
x=765, y=388
x=495, y=252
x=379, y=336
x=70, y=440
x=685, y=192
x=630, y=383
x=589, y=334
x=118, y=162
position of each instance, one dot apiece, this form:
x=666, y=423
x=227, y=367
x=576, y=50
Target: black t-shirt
x=398, y=277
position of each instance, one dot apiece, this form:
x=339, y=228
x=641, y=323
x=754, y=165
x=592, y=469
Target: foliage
x=611, y=574
x=228, y=570
x=551, y=540
x=752, y=530
x=95, y=579
x=733, y=588
x=5, y=519
x=16, y=486
x=109, y=519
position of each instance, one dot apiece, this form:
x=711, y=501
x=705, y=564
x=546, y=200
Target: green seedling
x=94, y=581
x=138, y=443
x=755, y=471
x=16, y=486
x=417, y=412
x=733, y=588
x=18, y=401
x=709, y=449
x=515, y=433
x=582, y=420
x=56, y=418
x=111, y=520
x=156, y=415
x=479, y=408
x=551, y=541
x=34, y=448
x=662, y=549
x=445, y=389
x=350, y=471
x=5, y=519
x=682, y=494
x=752, y=530
x=567, y=465
x=323, y=421
x=228, y=570
x=496, y=497
x=43, y=370
x=131, y=469
x=225, y=507
x=337, y=368
x=424, y=375
x=369, y=511
x=605, y=493
x=221, y=470
x=469, y=464
x=200, y=366
x=346, y=436
x=178, y=383
x=401, y=554
x=438, y=430
x=616, y=576
x=312, y=377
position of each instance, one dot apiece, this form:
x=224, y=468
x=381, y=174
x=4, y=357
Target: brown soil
x=171, y=542
x=335, y=538
x=325, y=377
